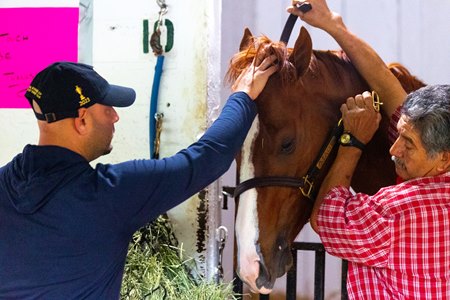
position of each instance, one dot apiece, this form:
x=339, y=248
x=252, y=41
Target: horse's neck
x=330, y=80
x=337, y=75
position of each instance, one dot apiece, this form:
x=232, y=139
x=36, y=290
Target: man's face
x=103, y=118
x=410, y=156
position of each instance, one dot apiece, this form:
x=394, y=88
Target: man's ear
x=444, y=163
x=80, y=123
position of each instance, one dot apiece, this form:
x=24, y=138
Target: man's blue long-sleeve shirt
x=65, y=226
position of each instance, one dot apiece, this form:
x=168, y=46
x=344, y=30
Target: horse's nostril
x=282, y=244
x=282, y=258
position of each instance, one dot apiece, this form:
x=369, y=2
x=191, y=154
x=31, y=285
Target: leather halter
x=306, y=183
x=287, y=30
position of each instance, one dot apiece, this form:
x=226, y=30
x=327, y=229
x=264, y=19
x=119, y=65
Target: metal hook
x=221, y=238
x=163, y=10
x=222, y=235
x=163, y=6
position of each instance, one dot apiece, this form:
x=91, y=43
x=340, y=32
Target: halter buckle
x=376, y=101
x=308, y=186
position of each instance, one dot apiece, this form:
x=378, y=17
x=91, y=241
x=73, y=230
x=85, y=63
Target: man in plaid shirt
x=397, y=241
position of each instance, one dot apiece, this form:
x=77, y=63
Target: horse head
x=296, y=110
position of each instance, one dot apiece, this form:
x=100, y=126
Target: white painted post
x=214, y=197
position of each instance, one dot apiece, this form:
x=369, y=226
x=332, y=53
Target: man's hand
x=253, y=79
x=360, y=118
x=319, y=16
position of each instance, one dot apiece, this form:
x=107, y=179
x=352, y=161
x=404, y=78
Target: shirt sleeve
x=141, y=190
x=352, y=227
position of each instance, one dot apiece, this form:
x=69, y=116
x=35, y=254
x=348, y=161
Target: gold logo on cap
x=37, y=93
x=83, y=99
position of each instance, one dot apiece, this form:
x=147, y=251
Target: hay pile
x=156, y=269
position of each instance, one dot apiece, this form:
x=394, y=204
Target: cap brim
x=119, y=96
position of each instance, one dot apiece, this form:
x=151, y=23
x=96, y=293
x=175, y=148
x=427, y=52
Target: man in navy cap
x=65, y=226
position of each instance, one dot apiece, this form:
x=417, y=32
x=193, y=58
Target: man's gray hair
x=428, y=111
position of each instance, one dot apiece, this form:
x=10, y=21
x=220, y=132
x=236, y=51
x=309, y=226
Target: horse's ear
x=246, y=39
x=301, y=55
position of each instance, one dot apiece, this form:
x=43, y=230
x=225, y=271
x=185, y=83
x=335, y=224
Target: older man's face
x=410, y=156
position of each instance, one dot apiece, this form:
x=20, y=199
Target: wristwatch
x=347, y=139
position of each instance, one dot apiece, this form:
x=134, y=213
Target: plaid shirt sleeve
x=353, y=228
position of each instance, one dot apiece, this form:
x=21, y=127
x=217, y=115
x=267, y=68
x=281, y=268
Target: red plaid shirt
x=397, y=241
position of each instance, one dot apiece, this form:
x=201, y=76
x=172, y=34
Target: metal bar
x=214, y=220
x=319, y=276
x=344, y=295
x=238, y=286
x=308, y=246
x=291, y=278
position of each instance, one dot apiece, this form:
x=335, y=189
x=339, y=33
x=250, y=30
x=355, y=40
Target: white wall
x=188, y=96
x=111, y=39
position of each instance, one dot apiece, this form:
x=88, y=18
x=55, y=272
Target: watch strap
x=353, y=142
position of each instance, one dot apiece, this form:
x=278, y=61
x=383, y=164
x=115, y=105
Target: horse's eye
x=288, y=146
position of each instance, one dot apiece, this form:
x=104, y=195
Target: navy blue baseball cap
x=63, y=87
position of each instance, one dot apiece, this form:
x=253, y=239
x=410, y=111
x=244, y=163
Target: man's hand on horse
x=360, y=117
x=253, y=78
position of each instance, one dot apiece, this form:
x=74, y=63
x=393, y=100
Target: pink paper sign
x=30, y=40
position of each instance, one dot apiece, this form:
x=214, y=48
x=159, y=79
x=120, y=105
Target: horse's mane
x=409, y=82
x=262, y=47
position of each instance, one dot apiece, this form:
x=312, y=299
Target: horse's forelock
x=262, y=47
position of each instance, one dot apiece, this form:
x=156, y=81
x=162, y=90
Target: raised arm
x=366, y=60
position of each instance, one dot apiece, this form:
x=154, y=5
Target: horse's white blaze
x=246, y=226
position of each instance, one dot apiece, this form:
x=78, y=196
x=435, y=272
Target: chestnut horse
x=296, y=111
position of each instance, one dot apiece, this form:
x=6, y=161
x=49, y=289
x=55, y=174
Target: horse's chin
x=263, y=290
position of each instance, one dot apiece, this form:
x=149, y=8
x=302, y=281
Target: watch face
x=345, y=138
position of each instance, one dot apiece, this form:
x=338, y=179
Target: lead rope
x=162, y=31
